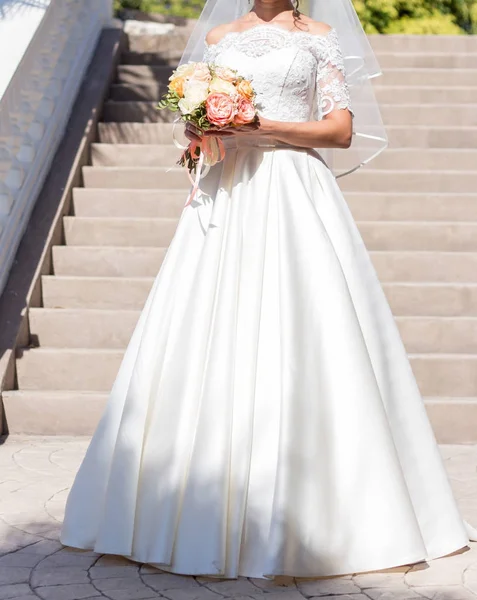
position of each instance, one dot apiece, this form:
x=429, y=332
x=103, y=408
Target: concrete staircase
x=416, y=207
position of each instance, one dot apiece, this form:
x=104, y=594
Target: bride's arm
x=334, y=131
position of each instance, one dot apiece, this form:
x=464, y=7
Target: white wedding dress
x=265, y=419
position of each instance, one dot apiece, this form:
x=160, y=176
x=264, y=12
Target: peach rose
x=226, y=74
x=244, y=88
x=245, y=112
x=220, y=109
x=201, y=73
x=177, y=85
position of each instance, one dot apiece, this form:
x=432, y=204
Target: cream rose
x=226, y=74
x=195, y=92
x=185, y=70
x=201, y=73
x=220, y=86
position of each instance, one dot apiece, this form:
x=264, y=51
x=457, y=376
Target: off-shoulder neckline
x=274, y=27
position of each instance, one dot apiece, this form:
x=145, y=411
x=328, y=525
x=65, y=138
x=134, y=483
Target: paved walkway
x=35, y=475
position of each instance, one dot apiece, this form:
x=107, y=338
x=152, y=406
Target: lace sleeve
x=332, y=89
x=210, y=53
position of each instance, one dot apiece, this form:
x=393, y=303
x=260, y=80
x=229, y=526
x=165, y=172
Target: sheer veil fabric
x=265, y=419
x=360, y=63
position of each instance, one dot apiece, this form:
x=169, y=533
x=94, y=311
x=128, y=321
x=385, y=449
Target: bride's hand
x=260, y=127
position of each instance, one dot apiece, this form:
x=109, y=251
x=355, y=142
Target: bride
x=265, y=420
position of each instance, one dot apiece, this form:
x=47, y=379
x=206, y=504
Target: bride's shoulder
x=317, y=28
x=217, y=33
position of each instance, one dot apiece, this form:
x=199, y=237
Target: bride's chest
x=282, y=72
x=285, y=69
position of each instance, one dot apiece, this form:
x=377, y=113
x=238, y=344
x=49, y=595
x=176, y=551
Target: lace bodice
x=298, y=76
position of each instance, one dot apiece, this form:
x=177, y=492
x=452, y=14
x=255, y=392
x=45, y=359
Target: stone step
x=78, y=369
x=409, y=114
x=432, y=299
x=50, y=412
x=103, y=231
x=405, y=136
x=398, y=235
x=422, y=267
x=410, y=266
x=414, y=159
x=368, y=179
x=95, y=370
x=437, y=335
x=387, y=60
x=104, y=261
x=142, y=73
x=444, y=77
x=380, y=180
x=377, y=235
x=460, y=115
x=402, y=136
x=122, y=293
x=412, y=94
x=451, y=44
x=151, y=91
x=34, y=412
x=159, y=59
x=137, y=112
x=445, y=374
x=366, y=206
x=116, y=293
x=391, y=206
x=173, y=42
x=112, y=329
x=139, y=155
x=135, y=133
x=160, y=155
x=136, y=178
x=79, y=328
x=453, y=419
x=91, y=202
x=177, y=40
x=428, y=60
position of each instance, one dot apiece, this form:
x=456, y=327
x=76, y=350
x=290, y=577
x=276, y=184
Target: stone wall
x=45, y=47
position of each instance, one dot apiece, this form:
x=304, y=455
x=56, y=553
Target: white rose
x=184, y=70
x=222, y=87
x=195, y=92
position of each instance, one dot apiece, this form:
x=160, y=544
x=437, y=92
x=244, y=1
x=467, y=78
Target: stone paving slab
x=36, y=474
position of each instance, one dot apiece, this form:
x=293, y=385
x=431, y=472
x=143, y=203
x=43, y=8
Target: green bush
x=378, y=16
x=418, y=16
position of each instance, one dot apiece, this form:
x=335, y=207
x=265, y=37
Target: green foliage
x=177, y=8
x=377, y=16
x=449, y=17
x=432, y=24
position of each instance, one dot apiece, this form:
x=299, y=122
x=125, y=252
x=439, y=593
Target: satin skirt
x=265, y=420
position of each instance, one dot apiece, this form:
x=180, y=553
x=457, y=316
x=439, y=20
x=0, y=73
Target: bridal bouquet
x=210, y=97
